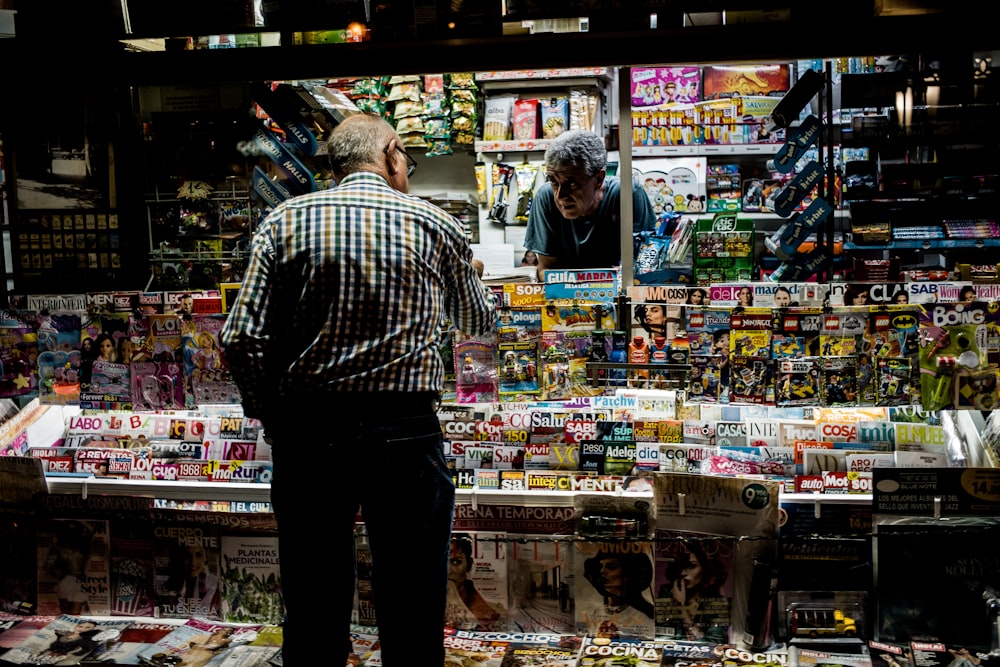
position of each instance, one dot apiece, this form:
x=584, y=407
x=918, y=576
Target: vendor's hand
x=478, y=265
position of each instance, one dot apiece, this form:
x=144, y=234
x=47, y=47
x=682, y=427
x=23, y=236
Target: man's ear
x=390, y=157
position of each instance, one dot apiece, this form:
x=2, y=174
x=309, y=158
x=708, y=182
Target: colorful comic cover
x=519, y=323
x=954, y=341
x=577, y=315
x=796, y=332
x=893, y=332
x=518, y=363
x=750, y=333
x=705, y=378
x=750, y=380
x=708, y=331
x=893, y=384
x=840, y=381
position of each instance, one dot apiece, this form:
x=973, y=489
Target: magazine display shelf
x=229, y=491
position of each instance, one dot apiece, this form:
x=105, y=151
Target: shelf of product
x=256, y=496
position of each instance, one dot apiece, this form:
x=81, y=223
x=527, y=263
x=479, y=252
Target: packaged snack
x=525, y=125
x=555, y=116
x=496, y=125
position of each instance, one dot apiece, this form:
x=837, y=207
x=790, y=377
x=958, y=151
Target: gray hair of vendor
x=576, y=148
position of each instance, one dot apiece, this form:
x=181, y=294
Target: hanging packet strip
x=526, y=174
x=503, y=174
x=272, y=192
x=297, y=132
x=299, y=177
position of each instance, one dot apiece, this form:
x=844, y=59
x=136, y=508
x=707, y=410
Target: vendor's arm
x=546, y=262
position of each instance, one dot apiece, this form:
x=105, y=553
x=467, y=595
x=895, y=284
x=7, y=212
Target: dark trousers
x=383, y=455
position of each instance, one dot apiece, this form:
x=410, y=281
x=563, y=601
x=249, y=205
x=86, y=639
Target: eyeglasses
x=411, y=164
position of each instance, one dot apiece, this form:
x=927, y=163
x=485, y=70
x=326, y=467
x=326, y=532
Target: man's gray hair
x=576, y=148
x=358, y=142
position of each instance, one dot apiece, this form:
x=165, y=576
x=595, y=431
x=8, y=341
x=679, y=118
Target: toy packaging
x=722, y=81
x=653, y=86
x=475, y=370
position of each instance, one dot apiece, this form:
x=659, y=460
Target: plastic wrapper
x=438, y=147
x=407, y=108
x=583, y=110
x=435, y=105
x=497, y=117
x=434, y=83
x=405, y=91
x=410, y=125
x=462, y=80
x=526, y=174
x=525, y=119
x=555, y=116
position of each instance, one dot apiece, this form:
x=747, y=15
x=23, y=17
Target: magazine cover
x=195, y=643
x=18, y=359
x=614, y=582
x=133, y=639
x=205, y=362
x=251, y=580
x=59, y=357
x=186, y=571
x=73, y=568
x=244, y=655
x=955, y=601
x=64, y=641
x=716, y=507
x=477, y=575
x=15, y=629
x=541, y=586
x=561, y=652
x=469, y=650
x=694, y=587
x=601, y=651
x=131, y=568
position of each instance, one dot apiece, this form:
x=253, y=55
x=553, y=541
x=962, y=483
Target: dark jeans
x=330, y=461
